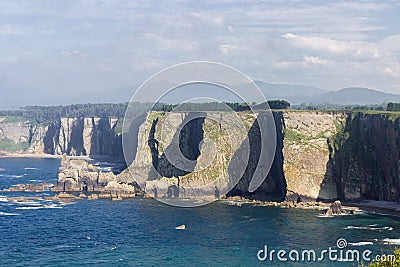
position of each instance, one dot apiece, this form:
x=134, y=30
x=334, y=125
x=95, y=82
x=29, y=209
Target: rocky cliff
x=319, y=155
x=306, y=153
x=71, y=136
x=364, y=157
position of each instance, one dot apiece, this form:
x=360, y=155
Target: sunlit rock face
x=318, y=155
x=71, y=136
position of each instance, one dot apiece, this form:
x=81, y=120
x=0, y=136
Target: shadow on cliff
x=273, y=188
x=51, y=139
x=189, y=133
x=129, y=151
x=364, y=159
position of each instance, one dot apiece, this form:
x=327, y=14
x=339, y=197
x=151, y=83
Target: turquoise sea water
x=141, y=232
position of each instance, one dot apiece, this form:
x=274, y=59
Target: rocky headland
x=79, y=179
x=320, y=155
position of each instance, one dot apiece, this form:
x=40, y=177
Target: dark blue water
x=141, y=232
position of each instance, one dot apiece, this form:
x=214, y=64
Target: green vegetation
x=393, y=106
x=155, y=115
x=294, y=136
x=273, y=104
x=387, y=261
x=118, y=127
x=43, y=114
x=227, y=106
x=333, y=107
x=208, y=106
x=320, y=135
x=10, y=119
x=12, y=146
x=341, y=136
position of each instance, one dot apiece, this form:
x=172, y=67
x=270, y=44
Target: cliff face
x=72, y=136
x=306, y=153
x=319, y=155
x=346, y=156
x=273, y=187
x=14, y=135
x=364, y=157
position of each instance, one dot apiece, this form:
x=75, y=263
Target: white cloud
x=70, y=53
x=314, y=60
x=170, y=43
x=306, y=62
x=208, y=18
x=315, y=43
x=114, y=44
x=228, y=49
x=10, y=30
x=391, y=42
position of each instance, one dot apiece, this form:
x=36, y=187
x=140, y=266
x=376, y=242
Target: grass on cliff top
x=155, y=114
x=329, y=111
x=295, y=136
x=11, y=146
x=10, y=119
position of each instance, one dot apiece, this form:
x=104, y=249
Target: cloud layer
x=59, y=52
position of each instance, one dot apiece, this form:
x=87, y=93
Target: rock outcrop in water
x=77, y=175
x=335, y=209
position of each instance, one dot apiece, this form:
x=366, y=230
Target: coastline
x=385, y=208
x=377, y=207
x=48, y=156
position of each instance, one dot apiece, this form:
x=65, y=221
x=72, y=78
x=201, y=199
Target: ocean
x=141, y=232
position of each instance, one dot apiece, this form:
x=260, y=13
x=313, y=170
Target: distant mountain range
x=293, y=93
x=297, y=94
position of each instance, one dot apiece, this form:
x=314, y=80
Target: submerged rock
x=335, y=209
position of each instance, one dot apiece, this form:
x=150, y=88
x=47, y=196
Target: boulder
x=93, y=197
x=335, y=209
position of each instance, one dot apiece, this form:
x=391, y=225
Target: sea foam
x=8, y=214
x=361, y=243
x=369, y=227
x=11, y=176
x=389, y=241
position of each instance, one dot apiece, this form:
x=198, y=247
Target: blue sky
x=60, y=52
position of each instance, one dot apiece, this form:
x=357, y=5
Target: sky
x=56, y=52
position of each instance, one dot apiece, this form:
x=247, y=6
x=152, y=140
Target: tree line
x=393, y=106
x=46, y=114
x=226, y=106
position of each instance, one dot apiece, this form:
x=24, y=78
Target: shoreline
x=382, y=208
x=40, y=156
x=385, y=208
